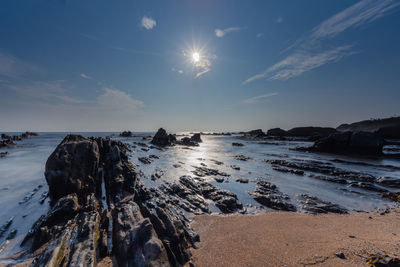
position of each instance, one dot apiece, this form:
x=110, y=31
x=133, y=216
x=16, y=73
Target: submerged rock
x=237, y=144
x=315, y=205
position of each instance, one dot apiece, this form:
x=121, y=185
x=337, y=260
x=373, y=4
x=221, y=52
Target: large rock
x=73, y=167
x=256, y=133
x=348, y=142
x=196, y=138
x=276, y=132
x=161, y=138
x=311, y=131
x=390, y=132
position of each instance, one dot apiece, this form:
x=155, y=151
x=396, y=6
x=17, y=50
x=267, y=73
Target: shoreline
x=295, y=239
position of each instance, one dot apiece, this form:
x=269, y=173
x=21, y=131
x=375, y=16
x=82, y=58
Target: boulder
x=348, y=142
x=126, y=134
x=186, y=141
x=277, y=132
x=72, y=167
x=196, y=138
x=161, y=138
x=256, y=133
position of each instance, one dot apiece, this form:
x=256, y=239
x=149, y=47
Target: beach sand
x=295, y=239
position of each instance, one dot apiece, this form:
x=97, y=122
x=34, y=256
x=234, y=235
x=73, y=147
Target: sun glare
x=196, y=57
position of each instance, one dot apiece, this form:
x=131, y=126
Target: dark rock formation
x=315, y=205
x=268, y=195
x=256, y=133
x=72, y=167
x=196, y=138
x=312, y=132
x=126, y=134
x=276, y=132
x=389, y=132
x=237, y=144
x=161, y=138
x=350, y=143
x=186, y=141
x=371, y=125
x=147, y=229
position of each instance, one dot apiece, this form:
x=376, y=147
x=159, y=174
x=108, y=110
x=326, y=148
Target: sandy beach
x=295, y=239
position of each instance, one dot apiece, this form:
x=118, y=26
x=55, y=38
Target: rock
x=186, y=141
x=219, y=179
x=314, y=132
x=350, y=143
x=5, y=226
x=237, y=144
x=144, y=160
x=315, y=205
x=389, y=132
x=268, y=195
x=3, y=154
x=380, y=260
x=203, y=171
x=340, y=255
x=196, y=138
x=161, y=138
x=126, y=134
x=277, y=132
x=256, y=133
x=242, y=157
x=235, y=167
x=279, y=169
x=72, y=167
x=242, y=181
x=135, y=240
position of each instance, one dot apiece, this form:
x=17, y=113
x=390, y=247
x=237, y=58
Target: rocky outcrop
x=371, y=125
x=389, y=132
x=276, y=132
x=161, y=138
x=256, y=133
x=196, y=138
x=350, y=143
x=72, y=167
x=268, y=195
x=100, y=208
x=311, y=132
x=315, y=205
x=126, y=134
x=186, y=141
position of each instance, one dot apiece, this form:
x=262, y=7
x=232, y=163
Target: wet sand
x=294, y=239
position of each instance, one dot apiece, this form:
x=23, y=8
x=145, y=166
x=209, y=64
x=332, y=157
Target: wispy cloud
x=257, y=98
x=148, y=23
x=203, y=65
x=117, y=100
x=279, y=20
x=13, y=67
x=311, y=52
x=259, y=35
x=85, y=76
x=221, y=33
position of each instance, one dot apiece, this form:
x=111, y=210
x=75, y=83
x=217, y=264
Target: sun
x=196, y=57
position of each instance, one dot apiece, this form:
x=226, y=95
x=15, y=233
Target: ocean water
x=22, y=181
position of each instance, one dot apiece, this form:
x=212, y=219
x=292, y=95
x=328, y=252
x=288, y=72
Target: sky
x=100, y=65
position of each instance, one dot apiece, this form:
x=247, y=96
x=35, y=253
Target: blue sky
x=114, y=65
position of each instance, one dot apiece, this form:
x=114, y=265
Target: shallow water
x=22, y=170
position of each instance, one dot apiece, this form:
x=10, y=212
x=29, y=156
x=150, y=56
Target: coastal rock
x=126, y=134
x=161, y=138
x=276, y=132
x=389, y=132
x=268, y=195
x=186, y=141
x=315, y=205
x=312, y=132
x=255, y=133
x=237, y=144
x=196, y=138
x=350, y=143
x=72, y=167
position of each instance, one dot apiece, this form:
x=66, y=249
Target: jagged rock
x=203, y=171
x=135, y=241
x=186, y=141
x=279, y=169
x=196, y=138
x=242, y=181
x=161, y=138
x=126, y=134
x=314, y=132
x=72, y=167
x=144, y=160
x=389, y=181
x=268, y=195
x=315, y=205
x=242, y=157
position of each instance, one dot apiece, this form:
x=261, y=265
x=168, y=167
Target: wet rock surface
x=102, y=208
x=315, y=205
x=268, y=195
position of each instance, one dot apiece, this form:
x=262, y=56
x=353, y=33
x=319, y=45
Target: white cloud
x=311, y=52
x=84, y=76
x=180, y=71
x=117, y=100
x=258, y=98
x=279, y=20
x=259, y=35
x=148, y=23
x=221, y=33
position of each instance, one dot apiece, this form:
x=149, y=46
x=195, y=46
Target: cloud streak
x=311, y=52
x=258, y=98
x=148, y=23
x=221, y=33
